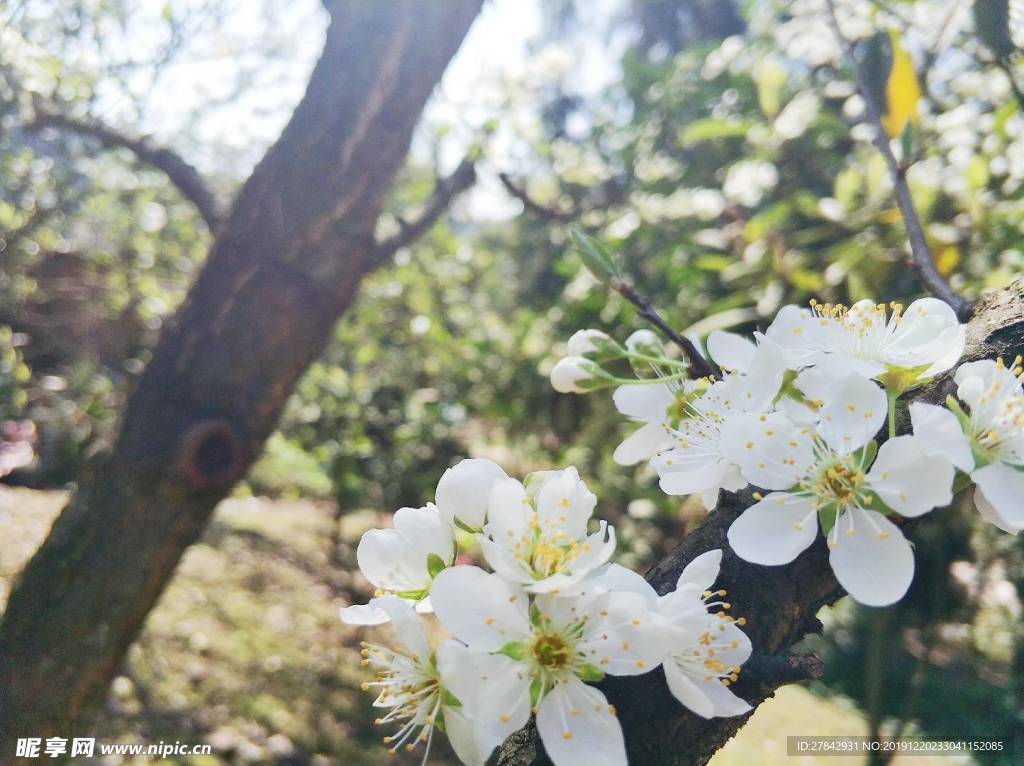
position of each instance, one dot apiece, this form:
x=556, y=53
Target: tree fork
x=285, y=264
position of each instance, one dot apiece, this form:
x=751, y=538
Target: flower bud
x=570, y=372
x=643, y=341
x=585, y=342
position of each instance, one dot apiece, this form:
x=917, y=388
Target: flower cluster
x=797, y=413
x=532, y=635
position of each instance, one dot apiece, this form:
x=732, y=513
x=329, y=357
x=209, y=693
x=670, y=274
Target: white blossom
x=547, y=655
x=403, y=560
x=410, y=687
x=696, y=463
x=541, y=542
x=589, y=341
x=987, y=442
x=643, y=341
x=830, y=471
x=570, y=372
x=649, y=404
x=869, y=339
x=702, y=650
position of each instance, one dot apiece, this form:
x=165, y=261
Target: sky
x=500, y=56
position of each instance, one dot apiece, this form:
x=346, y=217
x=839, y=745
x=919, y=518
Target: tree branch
x=184, y=176
x=530, y=205
x=778, y=603
x=700, y=367
x=921, y=254
x=445, y=190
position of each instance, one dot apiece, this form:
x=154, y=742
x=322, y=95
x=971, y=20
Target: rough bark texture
x=779, y=603
x=287, y=262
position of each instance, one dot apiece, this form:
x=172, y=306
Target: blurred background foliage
x=722, y=153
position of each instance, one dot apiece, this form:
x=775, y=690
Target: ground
x=245, y=651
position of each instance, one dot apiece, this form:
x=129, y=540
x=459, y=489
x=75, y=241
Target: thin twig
x=445, y=190
x=532, y=206
x=922, y=258
x=184, y=176
x=699, y=366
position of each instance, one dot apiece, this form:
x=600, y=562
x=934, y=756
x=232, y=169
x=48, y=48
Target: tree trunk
x=778, y=603
x=287, y=262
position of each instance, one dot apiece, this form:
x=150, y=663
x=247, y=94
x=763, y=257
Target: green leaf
x=450, y=699
x=992, y=23
x=711, y=128
x=435, y=565
x=601, y=264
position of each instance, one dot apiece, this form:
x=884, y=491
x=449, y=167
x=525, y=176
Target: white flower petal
x=363, y=614
x=731, y=351
x=502, y=559
x=508, y=511
x=465, y=490
x=621, y=636
x=765, y=373
x=578, y=728
x=481, y=609
x=685, y=474
x=462, y=736
x=406, y=624
x=771, y=451
x=584, y=342
x=992, y=515
x=908, y=480
x=494, y=691
x=642, y=444
x=619, y=578
x=1003, y=488
x=852, y=414
x=793, y=328
x=570, y=372
x=687, y=690
x=875, y=564
x=426, y=531
x=928, y=333
x=985, y=378
x=724, y=702
x=941, y=434
x=774, y=530
x=702, y=572
x=388, y=561
x=644, y=401
x=565, y=504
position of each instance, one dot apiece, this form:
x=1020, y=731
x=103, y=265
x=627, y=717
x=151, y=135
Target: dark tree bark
x=778, y=603
x=287, y=261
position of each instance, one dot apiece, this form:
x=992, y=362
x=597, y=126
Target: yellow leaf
x=902, y=90
x=947, y=258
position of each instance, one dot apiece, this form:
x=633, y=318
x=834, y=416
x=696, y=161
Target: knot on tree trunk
x=212, y=455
